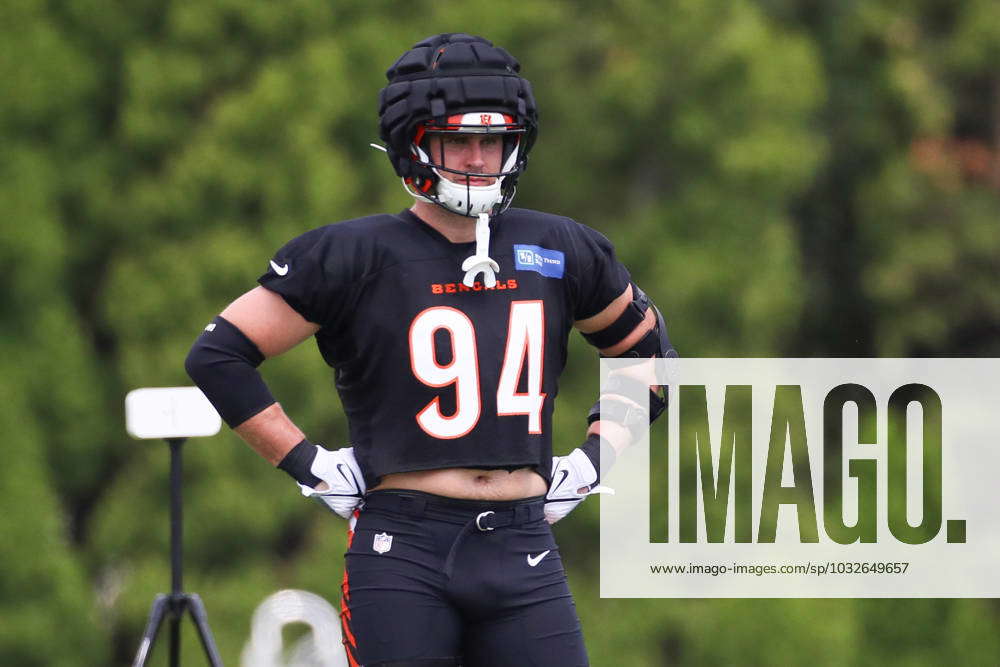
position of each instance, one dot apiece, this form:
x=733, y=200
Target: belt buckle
x=480, y=517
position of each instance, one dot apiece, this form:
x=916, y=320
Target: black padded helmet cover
x=449, y=74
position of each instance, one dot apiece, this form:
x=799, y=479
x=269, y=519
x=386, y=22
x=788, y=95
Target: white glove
x=573, y=479
x=343, y=485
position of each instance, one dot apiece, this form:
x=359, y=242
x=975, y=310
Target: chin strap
x=481, y=262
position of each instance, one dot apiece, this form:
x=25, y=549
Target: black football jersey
x=434, y=374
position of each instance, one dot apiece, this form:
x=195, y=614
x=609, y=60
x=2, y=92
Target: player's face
x=475, y=153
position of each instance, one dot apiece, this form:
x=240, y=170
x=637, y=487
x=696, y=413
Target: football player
x=447, y=326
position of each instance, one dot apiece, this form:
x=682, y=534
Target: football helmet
x=456, y=83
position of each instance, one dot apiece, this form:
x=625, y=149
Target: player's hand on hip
x=573, y=479
x=343, y=486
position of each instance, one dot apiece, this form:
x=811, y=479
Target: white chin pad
x=468, y=199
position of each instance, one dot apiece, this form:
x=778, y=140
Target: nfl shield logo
x=382, y=543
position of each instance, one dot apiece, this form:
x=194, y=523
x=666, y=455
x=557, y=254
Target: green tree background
x=784, y=178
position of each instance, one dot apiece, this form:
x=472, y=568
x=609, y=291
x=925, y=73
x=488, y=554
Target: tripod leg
x=200, y=618
x=175, y=640
x=156, y=614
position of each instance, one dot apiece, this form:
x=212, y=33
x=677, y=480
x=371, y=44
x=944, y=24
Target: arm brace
x=630, y=318
x=223, y=363
x=655, y=344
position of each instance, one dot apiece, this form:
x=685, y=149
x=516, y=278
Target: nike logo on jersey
x=280, y=269
x=535, y=560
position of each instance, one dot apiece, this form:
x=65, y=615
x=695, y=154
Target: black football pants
x=437, y=581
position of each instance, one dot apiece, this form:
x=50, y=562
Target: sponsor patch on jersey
x=549, y=263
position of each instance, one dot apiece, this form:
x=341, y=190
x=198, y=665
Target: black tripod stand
x=174, y=605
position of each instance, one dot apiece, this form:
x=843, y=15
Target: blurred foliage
x=783, y=177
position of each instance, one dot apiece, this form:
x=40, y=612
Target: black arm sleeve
x=223, y=363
